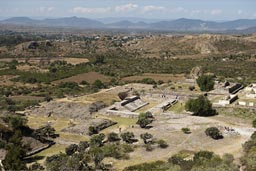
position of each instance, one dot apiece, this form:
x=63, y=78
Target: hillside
x=163, y=46
x=182, y=24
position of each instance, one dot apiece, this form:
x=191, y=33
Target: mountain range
x=181, y=24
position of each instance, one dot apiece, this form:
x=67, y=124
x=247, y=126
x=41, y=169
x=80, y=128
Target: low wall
x=122, y=114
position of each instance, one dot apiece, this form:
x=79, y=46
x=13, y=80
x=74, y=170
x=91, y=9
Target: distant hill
x=73, y=22
x=181, y=24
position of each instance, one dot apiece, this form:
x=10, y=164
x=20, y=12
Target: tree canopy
x=205, y=82
x=200, y=106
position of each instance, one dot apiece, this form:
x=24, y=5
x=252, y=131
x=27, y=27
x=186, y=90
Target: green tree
x=97, y=140
x=254, y=123
x=162, y=143
x=71, y=149
x=16, y=152
x=145, y=119
x=128, y=137
x=97, y=154
x=122, y=95
x=205, y=82
x=214, y=133
x=145, y=137
x=82, y=146
x=200, y=106
x=113, y=137
x=98, y=84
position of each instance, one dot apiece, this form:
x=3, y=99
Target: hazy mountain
x=127, y=24
x=110, y=20
x=20, y=21
x=239, y=24
x=181, y=24
x=73, y=22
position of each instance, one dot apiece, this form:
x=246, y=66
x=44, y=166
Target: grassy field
x=106, y=97
x=122, y=123
x=179, y=107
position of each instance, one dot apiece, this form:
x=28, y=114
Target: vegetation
x=186, y=130
x=113, y=137
x=202, y=161
x=214, y=133
x=145, y=119
x=205, y=82
x=248, y=160
x=128, y=137
x=254, y=123
x=200, y=106
x=146, y=137
x=16, y=149
x=162, y=143
x=87, y=156
x=122, y=95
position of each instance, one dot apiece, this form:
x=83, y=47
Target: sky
x=156, y=9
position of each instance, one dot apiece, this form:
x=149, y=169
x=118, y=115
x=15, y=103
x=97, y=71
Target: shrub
x=162, y=143
x=128, y=137
x=214, y=133
x=70, y=85
x=191, y=88
x=97, y=140
x=82, y=146
x=113, y=137
x=2, y=144
x=199, y=156
x=254, y=123
x=71, y=149
x=98, y=84
x=122, y=95
x=84, y=82
x=127, y=148
x=253, y=136
x=48, y=99
x=145, y=137
x=148, y=81
x=145, y=119
x=186, y=130
x=149, y=147
x=93, y=130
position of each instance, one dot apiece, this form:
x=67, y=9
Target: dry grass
x=75, y=61
x=36, y=60
x=30, y=68
x=107, y=98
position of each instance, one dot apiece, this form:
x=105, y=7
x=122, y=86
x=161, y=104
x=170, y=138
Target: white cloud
x=216, y=12
x=178, y=9
x=239, y=12
x=84, y=10
x=196, y=12
x=46, y=9
x=151, y=8
x=102, y=10
x=126, y=7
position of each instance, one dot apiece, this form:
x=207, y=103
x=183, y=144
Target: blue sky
x=158, y=9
